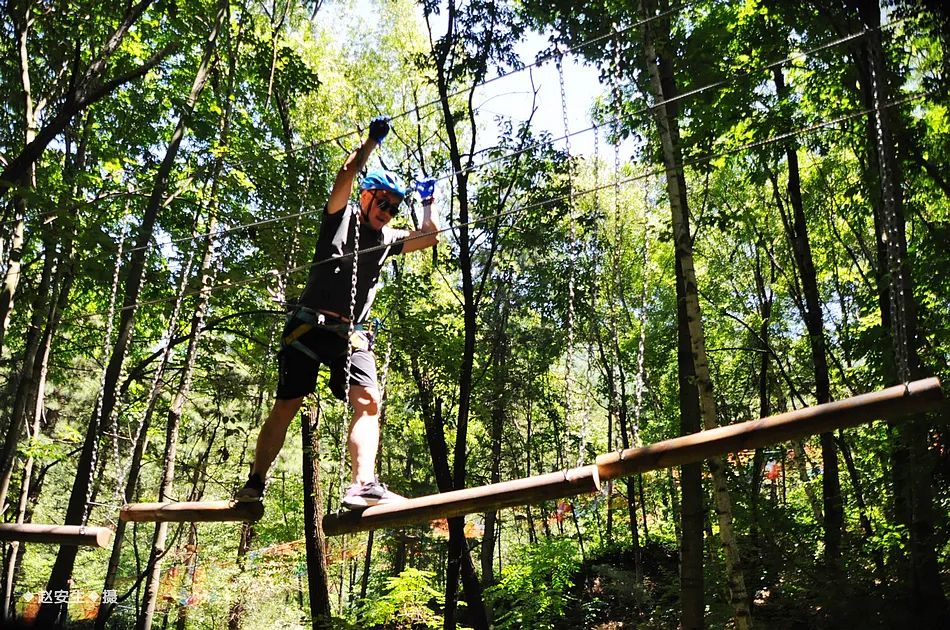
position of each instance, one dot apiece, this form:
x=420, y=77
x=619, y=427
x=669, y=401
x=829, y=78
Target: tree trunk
x=692, y=510
x=6, y=611
x=796, y=229
x=317, y=577
x=206, y=273
x=191, y=567
x=26, y=390
x=499, y=409
x=765, y=298
x=459, y=558
x=11, y=279
x=876, y=554
x=661, y=73
x=141, y=434
x=21, y=22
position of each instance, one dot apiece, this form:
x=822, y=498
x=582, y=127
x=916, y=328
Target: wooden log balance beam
x=888, y=403
x=840, y=414
x=583, y=480
x=193, y=512
x=69, y=535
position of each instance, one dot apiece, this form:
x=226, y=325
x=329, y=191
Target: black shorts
x=297, y=372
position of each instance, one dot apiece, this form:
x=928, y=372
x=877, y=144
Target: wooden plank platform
x=193, y=511
x=891, y=403
x=56, y=534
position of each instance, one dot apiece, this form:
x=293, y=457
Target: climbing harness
x=360, y=336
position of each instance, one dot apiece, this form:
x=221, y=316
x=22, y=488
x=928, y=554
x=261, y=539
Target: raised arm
x=428, y=233
x=355, y=162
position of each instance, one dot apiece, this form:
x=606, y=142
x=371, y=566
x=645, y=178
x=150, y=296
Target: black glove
x=378, y=128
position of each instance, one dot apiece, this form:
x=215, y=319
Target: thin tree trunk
x=11, y=279
x=765, y=298
x=499, y=409
x=141, y=434
x=876, y=553
x=28, y=384
x=15, y=550
x=236, y=613
x=662, y=82
x=459, y=558
x=317, y=577
x=174, y=412
x=191, y=568
x=529, y=440
x=796, y=228
x=692, y=510
x=21, y=22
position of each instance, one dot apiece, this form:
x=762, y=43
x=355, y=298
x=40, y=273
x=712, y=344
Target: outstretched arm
x=428, y=233
x=355, y=162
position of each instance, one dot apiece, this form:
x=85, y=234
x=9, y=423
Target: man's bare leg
x=363, y=442
x=273, y=432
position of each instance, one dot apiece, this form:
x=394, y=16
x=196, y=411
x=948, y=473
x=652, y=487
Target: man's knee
x=365, y=400
x=284, y=411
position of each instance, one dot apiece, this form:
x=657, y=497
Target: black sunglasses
x=387, y=206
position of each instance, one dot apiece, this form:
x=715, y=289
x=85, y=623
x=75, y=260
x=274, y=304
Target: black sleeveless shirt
x=331, y=275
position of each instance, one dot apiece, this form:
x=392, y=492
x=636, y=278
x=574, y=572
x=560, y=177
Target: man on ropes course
x=329, y=324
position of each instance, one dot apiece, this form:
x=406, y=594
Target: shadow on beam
x=888, y=403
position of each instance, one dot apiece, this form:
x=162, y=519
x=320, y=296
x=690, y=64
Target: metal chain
x=891, y=235
x=106, y=344
x=344, y=432
x=356, y=208
x=615, y=253
x=154, y=388
x=597, y=210
x=641, y=348
x=572, y=245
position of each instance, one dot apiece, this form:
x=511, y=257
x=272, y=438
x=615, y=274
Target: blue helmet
x=383, y=180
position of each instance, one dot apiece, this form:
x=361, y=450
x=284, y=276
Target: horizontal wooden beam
x=193, y=511
x=886, y=403
x=494, y=496
x=56, y=534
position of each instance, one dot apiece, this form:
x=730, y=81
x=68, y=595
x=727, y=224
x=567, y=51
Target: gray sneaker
x=364, y=495
x=253, y=490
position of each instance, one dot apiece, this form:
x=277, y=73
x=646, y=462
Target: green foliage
x=534, y=589
x=409, y=600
